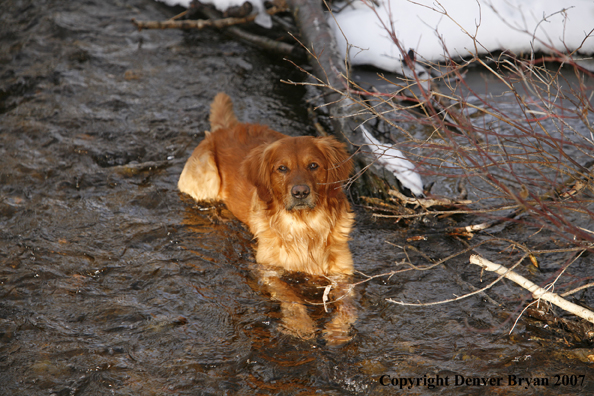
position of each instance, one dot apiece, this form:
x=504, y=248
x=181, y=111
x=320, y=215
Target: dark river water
x=113, y=283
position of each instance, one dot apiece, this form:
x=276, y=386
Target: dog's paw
x=337, y=333
x=297, y=323
x=299, y=330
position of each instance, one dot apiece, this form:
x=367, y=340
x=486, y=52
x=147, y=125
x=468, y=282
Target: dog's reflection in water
x=312, y=293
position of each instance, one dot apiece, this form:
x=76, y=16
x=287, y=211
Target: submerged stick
x=537, y=291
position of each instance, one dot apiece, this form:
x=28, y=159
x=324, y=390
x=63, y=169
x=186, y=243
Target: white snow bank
x=516, y=25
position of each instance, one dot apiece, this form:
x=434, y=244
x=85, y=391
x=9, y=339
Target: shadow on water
x=111, y=282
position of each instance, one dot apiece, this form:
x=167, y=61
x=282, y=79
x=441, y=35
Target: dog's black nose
x=300, y=191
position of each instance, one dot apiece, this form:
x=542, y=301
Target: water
x=111, y=282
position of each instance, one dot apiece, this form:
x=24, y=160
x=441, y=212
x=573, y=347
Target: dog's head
x=299, y=172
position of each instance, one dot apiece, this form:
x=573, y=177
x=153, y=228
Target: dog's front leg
x=295, y=319
x=338, y=330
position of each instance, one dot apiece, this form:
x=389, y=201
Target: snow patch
x=520, y=26
x=393, y=160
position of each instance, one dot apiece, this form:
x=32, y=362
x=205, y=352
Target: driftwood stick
x=537, y=291
x=181, y=14
x=191, y=23
x=175, y=23
x=467, y=231
x=260, y=41
x=266, y=43
x=429, y=202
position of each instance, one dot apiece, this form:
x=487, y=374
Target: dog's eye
x=282, y=169
x=313, y=166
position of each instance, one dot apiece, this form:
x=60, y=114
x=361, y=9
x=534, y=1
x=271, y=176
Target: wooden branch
x=467, y=231
x=428, y=202
x=201, y=23
x=191, y=23
x=260, y=41
x=328, y=67
x=266, y=43
x=537, y=291
x=567, y=189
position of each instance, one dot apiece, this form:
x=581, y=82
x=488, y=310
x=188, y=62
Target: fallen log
x=345, y=108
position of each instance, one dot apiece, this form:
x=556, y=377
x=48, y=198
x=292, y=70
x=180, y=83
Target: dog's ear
x=257, y=171
x=339, y=162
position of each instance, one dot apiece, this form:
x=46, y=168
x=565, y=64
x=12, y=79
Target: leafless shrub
x=521, y=149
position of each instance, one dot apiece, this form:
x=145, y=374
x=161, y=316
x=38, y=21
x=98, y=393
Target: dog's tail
x=221, y=112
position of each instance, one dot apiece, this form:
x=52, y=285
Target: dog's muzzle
x=301, y=198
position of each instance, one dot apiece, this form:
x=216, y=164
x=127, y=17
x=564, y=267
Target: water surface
x=111, y=282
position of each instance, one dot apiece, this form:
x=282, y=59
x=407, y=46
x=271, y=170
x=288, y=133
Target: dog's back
x=201, y=178
x=213, y=170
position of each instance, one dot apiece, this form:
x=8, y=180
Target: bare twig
x=458, y=298
x=577, y=289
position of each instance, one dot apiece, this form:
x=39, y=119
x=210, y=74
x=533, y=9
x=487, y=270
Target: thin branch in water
x=458, y=298
x=569, y=293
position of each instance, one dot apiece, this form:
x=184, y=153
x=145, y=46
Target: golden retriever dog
x=288, y=191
